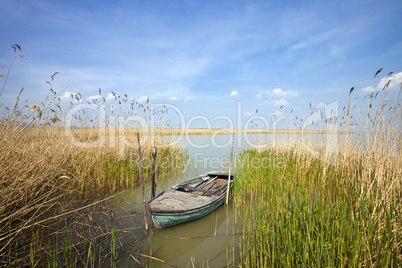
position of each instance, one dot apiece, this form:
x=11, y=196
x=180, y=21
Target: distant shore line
x=215, y=131
x=243, y=131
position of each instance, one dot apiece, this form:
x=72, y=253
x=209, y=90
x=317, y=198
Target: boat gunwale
x=218, y=198
x=163, y=212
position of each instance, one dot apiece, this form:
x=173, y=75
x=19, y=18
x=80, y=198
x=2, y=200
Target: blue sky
x=204, y=56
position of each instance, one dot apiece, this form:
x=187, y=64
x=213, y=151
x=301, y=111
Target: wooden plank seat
x=205, y=191
x=195, y=189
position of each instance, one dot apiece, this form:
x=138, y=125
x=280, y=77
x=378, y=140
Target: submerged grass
x=306, y=212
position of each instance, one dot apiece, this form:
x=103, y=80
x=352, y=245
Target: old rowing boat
x=189, y=200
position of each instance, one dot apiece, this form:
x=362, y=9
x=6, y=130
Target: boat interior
x=211, y=184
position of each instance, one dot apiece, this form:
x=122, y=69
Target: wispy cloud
x=278, y=113
x=173, y=98
x=313, y=40
x=147, y=50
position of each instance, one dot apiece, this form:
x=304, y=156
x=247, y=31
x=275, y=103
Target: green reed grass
x=309, y=213
x=293, y=219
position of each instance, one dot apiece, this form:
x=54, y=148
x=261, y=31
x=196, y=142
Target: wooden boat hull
x=189, y=200
x=164, y=220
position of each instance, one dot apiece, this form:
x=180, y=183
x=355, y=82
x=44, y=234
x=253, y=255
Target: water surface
x=205, y=240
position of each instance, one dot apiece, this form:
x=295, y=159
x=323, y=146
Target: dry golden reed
x=46, y=182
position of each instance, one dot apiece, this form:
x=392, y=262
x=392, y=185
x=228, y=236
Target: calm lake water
x=206, y=239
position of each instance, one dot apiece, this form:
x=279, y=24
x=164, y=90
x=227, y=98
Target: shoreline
x=213, y=131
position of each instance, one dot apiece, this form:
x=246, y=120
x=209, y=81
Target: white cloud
x=234, y=93
x=143, y=99
x=70, y=96
x=111, y=96
x=281, y=93
x=396, y=80
x=188, y=98
x=367, y=89
x=173, y=98
x=66, y=95
x=321, y=105
x=95, y=97
x=248, y=113
x=259, y=95
x=280, y=102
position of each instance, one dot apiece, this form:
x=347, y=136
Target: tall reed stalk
x=304, y=212
x=46, y=180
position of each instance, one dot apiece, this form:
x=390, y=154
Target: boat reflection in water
x=205, y=239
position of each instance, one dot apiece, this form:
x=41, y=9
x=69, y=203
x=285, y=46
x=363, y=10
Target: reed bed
x=306, y=212
x=45, y=180
x=53, y=193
